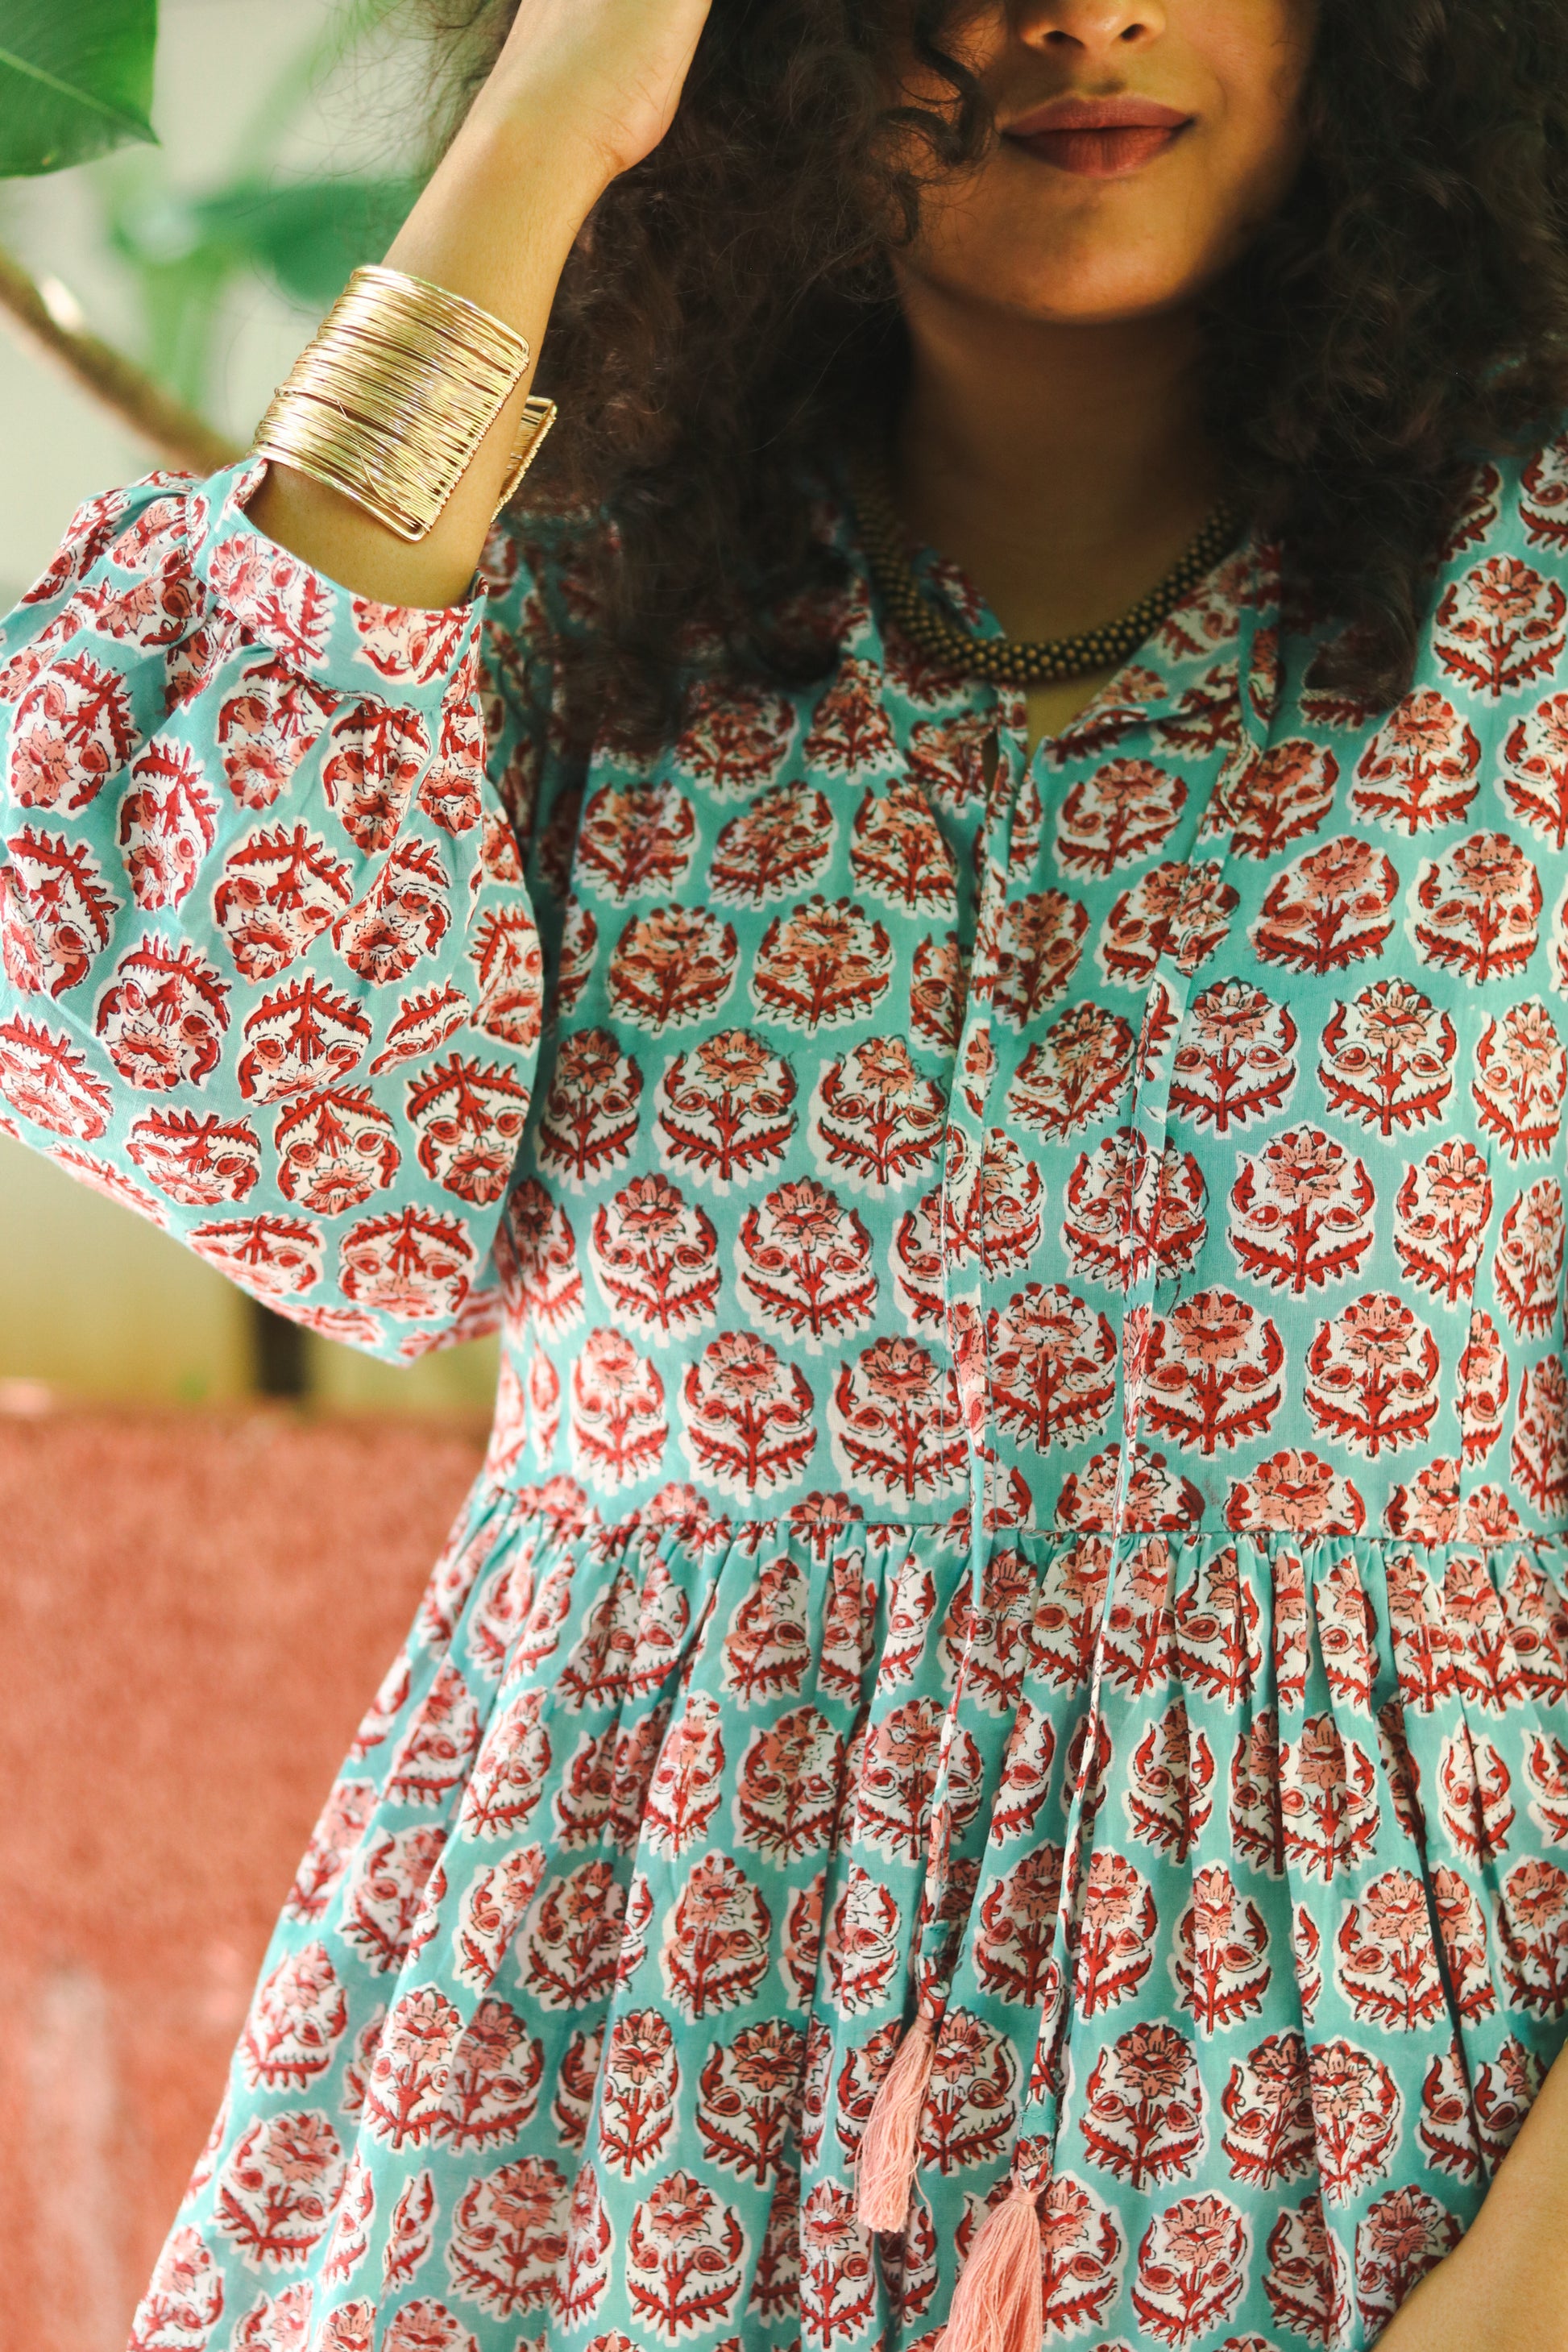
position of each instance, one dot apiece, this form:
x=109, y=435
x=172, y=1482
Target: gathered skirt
x=1228, y=1875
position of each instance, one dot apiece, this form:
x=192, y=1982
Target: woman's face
x=1142, y=143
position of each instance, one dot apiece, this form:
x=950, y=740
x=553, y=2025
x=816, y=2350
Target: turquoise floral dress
x=1029, y=1479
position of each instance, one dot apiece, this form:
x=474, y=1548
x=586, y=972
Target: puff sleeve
x=270, y=972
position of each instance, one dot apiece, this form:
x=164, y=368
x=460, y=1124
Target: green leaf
x=306, y=234
x=76, y=79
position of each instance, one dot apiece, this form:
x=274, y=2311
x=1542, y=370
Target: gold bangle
x=389, y=402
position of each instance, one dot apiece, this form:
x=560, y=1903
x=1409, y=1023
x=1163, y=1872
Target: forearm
x=454, y=238
x=1505, y=2287
x=581, y=90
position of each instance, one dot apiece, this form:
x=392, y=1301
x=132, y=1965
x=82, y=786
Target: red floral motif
x=1180, y=911
x=875, y=1120
x=381, y=1892
x=724, y=1109
x=1052, y=1360
x=1209, y=1374
x=275, y=2194
x=687, y=1780
x=619, y=1425
x=1398, y=2241
x=860, y=1950
x=168, y=821
x=1122, y=814
x=1143, y=2119
x=1329, y=909
x=1115, y=1933
x=1282, y=796
x=1418, y=770
x=849, y=733
x=1156, y=1498
x=1528, y=1267
x=334, y=1150
x=1301, y=1212
x=1012, y=1952
x=277, y=892
x=274, y=1257
x=1384, y=1959
x=1268, y=2102
x=424, y=1021
x=749, y=1424
x=822, y=966
x=44, y=1076
x=1236, y=1060
x=1221, y=1963
x=1191, y=2269
x=1026, y=953
x=1483, y=1387
x=897, y=854
x=164, y=1017
x=1441, y=1215
x=1169, y=1785
x=378, y=753
x=1308, y=2278
x=508, y=969
x=1534, y=780
x=56, y=912
x=714, y=1952
x=1128, y=1211
x=638, y=2086
x=1539, y=1454
x=297, y=2017
x=1479, y=908
x=654, y=1257
x=747, y=2098
x=1388, y=1057
x=778, y=844
x=804, y=1266
x=1329, y=1799
x=635, y=841
x=415, y=1262
x=571, y=1939
x=787, y=1792
x=509, y=2237
x=972, y=2099
x=1374, y=1376
x=405, y=916
x=1523, y=1073
x=589, y=1115
x=1546, y=1767
x=894, y=1417
x=939, y=985
x=733, y=739
x=1500, y=626
x=1534, y=1935
x=672, y=967
x=72, y=731
x=1079, y=1073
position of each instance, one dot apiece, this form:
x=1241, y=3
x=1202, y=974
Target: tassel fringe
x=998, y=2305
x=885, y=2174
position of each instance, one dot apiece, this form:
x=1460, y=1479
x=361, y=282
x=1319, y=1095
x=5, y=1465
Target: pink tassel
x=885, y=2171
x=997, y=2306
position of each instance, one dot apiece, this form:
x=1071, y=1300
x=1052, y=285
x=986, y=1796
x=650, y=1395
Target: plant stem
x=127, y=392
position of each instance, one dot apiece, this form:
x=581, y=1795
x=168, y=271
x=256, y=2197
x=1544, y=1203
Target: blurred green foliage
x=76, y=81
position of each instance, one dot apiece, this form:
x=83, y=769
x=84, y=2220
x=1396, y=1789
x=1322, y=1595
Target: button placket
x=1182, y=951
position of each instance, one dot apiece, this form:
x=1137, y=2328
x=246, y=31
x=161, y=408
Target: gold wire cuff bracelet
x=390, y=401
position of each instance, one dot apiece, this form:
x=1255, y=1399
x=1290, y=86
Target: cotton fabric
x=1031, y=1463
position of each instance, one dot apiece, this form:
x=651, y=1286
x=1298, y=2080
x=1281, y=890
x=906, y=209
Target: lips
x=1098, y=138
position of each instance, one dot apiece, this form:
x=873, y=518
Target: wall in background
x=93, y=1300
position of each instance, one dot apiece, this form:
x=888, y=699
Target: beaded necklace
x=1011, y=661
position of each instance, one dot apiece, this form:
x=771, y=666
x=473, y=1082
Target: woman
x=990, y=1751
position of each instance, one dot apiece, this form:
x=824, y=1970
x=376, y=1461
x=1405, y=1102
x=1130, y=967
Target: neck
x=1065, y=468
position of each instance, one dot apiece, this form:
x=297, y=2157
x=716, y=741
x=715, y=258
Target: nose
x=1095, y=28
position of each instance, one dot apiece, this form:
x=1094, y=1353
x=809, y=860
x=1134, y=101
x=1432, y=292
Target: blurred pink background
x=194, y=1609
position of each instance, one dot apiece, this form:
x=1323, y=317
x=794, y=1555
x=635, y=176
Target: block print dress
x=1027, y=1495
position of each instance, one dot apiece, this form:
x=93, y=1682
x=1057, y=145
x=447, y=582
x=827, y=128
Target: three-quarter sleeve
x=271, y=971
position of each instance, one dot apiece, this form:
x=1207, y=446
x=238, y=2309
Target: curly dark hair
x=730, y=304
